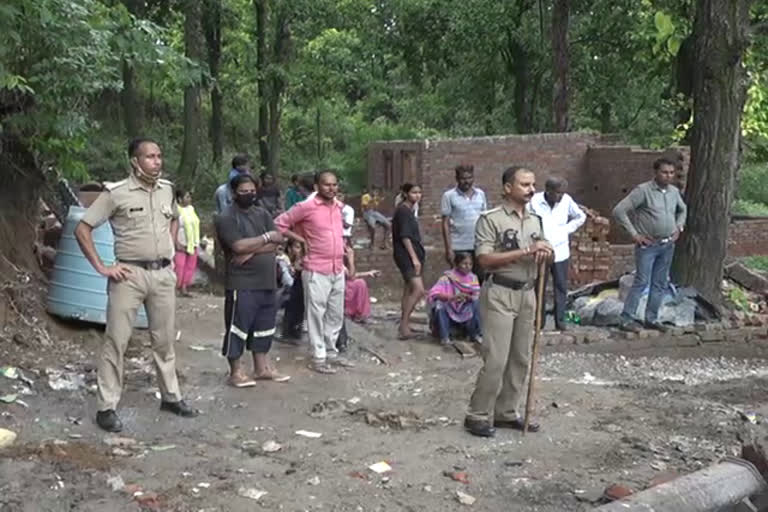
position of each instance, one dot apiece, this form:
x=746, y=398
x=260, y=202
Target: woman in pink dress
x=357, y=300
x=187, y=242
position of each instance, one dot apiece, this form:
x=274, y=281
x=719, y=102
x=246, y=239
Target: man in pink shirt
x=317, y=223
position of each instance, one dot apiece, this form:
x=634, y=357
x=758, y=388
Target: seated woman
x=357, y=300
x=453, y=301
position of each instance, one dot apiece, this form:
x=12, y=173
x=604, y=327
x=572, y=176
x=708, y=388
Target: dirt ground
x=607, y=418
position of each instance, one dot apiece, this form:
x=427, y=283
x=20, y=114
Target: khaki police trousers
x=156, y=289
x=508, y=322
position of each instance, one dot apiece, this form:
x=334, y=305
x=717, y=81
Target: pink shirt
x=321, y=225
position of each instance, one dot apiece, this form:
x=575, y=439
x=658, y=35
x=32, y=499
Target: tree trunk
x=720, y=34
x=262, y=10
x=212, y=26
x=280, y=54
x=131, y=103
x=560, y=64
x=193, y=48
x=522, y=73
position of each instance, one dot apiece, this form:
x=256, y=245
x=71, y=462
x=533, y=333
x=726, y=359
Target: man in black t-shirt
x=249, y=239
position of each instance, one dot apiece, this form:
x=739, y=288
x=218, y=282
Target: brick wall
x=599, y=175
x=613, y=171
x=747, y=237
x=593, y=257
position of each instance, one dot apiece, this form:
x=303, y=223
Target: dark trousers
x=559, y=273
x=294, y=310
x=443, y=322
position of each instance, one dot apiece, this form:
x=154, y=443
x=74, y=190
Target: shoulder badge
x=492, y=210
x=110, y=186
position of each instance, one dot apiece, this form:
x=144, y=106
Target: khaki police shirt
x=140, y=217
x=489, y=236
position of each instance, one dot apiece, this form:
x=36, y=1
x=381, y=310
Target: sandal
x=323, y=368
x=241, y=381
x=274, y=377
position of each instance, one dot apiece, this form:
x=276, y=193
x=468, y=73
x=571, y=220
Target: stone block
x=711, y=336
x=749, y=279
x=686, y=340
x=738, y=335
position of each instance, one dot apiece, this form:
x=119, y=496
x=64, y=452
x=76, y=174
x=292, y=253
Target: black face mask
x=245, y=200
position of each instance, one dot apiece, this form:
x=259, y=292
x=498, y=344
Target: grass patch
x=751, y=208
x=757, y=263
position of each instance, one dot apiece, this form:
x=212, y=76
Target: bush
x=753, y=183
x=752, y=208
x=757, y=263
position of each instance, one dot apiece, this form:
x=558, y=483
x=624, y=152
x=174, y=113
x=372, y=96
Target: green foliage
x=759, y=263
x=739, y=298
x=357, y=71
x=753, y=183
x=751, y=208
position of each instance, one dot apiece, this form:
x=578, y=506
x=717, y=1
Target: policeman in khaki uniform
x=509, y=243
x=144, y=218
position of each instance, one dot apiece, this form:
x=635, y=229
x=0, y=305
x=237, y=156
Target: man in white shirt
x=347, y=216
x=560, y=216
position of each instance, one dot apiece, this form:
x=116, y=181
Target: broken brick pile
x=591, y=251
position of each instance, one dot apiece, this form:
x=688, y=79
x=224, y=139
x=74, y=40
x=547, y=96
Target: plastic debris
x=457, y=476
x=315, y=480
x=65, y=381
x=162, y=447
x=465, y=499
x=308, y=434
x=116, y=483
x=7, y=437
x=119, y=441
x=198, y=348
x=251, y=493
x=271, y=447
x=380, y=467
x=204, y=485
x=9, y=372
x=747, y=416
x=9, y=399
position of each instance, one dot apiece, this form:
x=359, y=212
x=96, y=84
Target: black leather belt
x=148, y=264
x=512, y=284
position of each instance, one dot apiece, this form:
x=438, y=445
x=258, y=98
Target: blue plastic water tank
x=76, y=290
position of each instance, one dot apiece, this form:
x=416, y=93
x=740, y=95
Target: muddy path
x=607, y=418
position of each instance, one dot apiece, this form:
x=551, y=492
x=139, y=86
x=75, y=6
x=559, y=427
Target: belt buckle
x=154, y=265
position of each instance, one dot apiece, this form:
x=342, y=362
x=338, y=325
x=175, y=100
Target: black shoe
x=516, y=425
x=630, y=326
x=657, y=326
x=179, y=409
x=479, y=428
x=108, y=420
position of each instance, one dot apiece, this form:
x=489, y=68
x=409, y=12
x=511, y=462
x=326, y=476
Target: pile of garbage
x=602, y=303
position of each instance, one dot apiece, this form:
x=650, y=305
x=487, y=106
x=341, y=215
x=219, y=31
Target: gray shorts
x=372, y=218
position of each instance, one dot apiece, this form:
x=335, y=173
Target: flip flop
x=414, y=336
x=275, y=377
x=246, y=383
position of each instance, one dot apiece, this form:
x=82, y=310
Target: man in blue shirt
x=241, y=164
x=461, y=206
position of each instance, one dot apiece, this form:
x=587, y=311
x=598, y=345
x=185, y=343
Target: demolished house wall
x=600, y=174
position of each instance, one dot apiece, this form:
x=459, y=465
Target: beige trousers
x=156, y=289
x=508, y=322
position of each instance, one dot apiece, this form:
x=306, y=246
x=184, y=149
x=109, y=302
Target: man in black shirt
x=249, y=239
